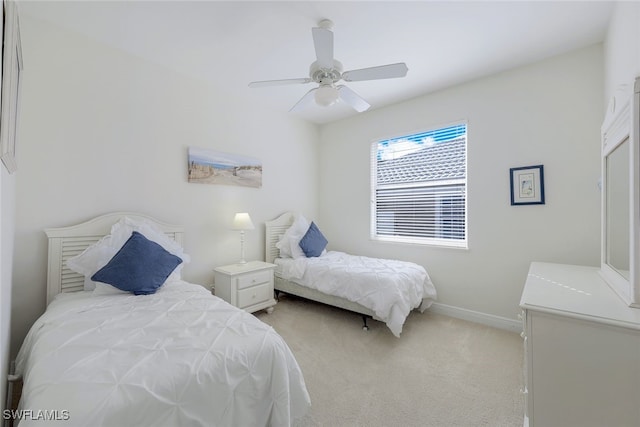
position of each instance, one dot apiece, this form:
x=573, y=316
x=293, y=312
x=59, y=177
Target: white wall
x=7, y=223
x=103, y=131
x=548, y=113
x=622, y=47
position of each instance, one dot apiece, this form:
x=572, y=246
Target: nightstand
x=248, y=286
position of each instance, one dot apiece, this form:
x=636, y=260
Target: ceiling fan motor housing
x=326, y=76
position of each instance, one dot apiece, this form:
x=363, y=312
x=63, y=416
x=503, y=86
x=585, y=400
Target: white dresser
x=582, y=350
x=248, y=286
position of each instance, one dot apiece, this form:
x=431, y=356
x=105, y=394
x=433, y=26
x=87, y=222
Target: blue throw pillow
x=140, y=266
x=313, y=242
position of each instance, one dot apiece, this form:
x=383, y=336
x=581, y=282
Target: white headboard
x=67, y=242
x=274, y=231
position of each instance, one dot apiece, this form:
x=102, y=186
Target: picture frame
x=11, y=83
x=527, y=185
x=216, y=167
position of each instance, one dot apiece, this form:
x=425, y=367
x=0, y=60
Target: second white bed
x=389, y=288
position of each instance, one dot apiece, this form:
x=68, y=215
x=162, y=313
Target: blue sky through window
x=401, y=146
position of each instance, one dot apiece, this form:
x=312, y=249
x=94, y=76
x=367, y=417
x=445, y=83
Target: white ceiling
x=233, y=43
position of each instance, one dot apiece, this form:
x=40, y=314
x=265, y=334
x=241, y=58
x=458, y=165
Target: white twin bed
x=386, y=290
x=176, y=357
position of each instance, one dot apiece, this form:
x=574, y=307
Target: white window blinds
x=419, y=187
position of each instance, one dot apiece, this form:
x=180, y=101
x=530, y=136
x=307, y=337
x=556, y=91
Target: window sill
x=438, y=243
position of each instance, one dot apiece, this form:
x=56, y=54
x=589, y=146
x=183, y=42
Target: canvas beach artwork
x=215, y=167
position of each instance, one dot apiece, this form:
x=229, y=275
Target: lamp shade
x=242, y=221
x=326, y=95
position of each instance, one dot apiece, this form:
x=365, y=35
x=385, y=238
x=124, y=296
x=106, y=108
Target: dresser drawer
x=254, y=279
x=254, y=295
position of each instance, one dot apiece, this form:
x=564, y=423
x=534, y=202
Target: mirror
x=617, y=209
x=620, y=263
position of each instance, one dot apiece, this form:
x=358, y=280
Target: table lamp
x=242, y=222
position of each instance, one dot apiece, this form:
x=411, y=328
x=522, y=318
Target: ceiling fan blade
x=374, y=73
x=353, y=99
x=323, y=42
x=266, y=83
x=305, y=101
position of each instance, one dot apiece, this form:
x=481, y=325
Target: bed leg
x=365, y=327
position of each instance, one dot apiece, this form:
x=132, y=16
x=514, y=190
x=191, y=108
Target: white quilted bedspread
x=180, y=357
x=390, y=288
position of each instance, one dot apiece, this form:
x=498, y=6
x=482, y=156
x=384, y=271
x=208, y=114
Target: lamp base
x=242, y=260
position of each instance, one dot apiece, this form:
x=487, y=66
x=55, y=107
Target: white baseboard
x=477, y=317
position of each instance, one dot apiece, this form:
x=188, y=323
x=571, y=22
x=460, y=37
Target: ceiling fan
x=327, y=72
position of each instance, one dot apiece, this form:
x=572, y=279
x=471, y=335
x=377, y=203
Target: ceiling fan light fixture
x=326, y=95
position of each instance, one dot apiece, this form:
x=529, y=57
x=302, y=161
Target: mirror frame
x=622, y=122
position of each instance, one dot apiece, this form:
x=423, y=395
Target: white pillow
x=91, y=260
x=106, y=289
x=100, y=253
x=289, y=244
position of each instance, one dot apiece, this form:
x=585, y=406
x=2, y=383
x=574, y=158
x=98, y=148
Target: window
x=418, y=187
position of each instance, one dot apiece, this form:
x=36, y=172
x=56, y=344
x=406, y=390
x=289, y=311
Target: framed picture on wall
x=10, y=100
x=527, y=185
x=216, y=167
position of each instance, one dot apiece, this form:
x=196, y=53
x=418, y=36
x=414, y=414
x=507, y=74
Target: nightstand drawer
x=254, y=279
x=254, y=295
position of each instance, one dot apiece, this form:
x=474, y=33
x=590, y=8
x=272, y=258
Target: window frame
x=423, y=241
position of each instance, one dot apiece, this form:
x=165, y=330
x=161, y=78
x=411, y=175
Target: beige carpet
x=441, y=372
